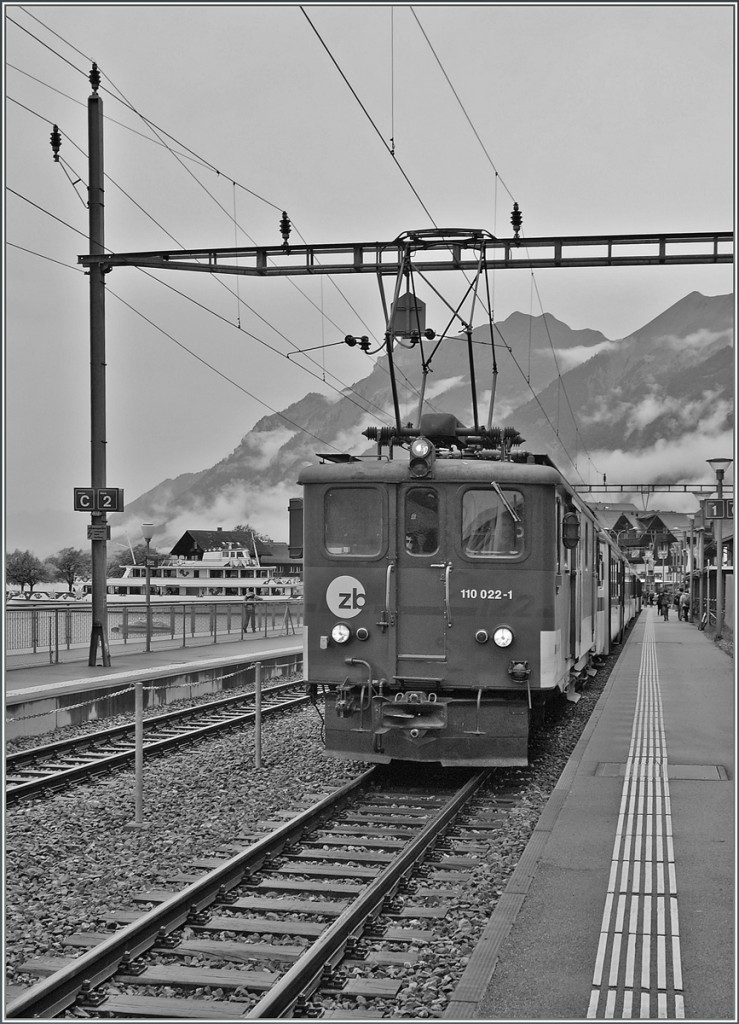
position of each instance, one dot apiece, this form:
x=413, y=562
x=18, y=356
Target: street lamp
x=691, y=567
x=147, y=529
x=719, y=466
x=662, y=552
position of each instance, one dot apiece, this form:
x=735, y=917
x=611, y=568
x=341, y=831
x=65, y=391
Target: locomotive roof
x=444, y=471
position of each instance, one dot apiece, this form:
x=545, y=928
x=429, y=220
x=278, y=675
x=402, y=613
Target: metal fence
x=35, y=630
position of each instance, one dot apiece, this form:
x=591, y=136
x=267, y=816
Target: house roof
x=209, y=540
x=195, y=541
x=617, y=519
x=665, y=522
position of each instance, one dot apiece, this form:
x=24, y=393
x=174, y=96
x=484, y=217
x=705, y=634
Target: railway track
x=323, y=908
x=55, y=766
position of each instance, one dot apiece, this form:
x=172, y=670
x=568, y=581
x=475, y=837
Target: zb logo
x=345, y=597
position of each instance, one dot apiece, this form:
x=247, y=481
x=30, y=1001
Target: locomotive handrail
x=390, y=570
x=447, y=595
x=447, y=566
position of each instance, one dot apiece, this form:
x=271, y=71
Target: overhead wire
x=390, y=149
x=121, y=98
x=210, y=166
x=459, y=101
x=364, y=408
x=176, y=341
x=498, y=178
x=344, y=389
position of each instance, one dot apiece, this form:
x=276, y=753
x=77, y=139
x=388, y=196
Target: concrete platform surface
x=76, y=675
x=623, y=903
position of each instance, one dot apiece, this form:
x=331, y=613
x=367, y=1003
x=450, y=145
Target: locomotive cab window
x=353, y=521
x=421, y=521
x=492, y=523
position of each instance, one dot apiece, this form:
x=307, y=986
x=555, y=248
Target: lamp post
x=700, y=560
x=662, y=552
x=147, y=530
x=719, y=466
x=691, y=566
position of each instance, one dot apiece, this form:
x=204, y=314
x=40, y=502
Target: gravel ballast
x=73, y=857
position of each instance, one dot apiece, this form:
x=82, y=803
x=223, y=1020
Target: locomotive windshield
x=353, y=521
x=421, y=521
x=492, y=523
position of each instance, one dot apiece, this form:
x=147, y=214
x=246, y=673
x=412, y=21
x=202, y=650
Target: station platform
x=623, y=904
x=76, y=670
x=44, y=698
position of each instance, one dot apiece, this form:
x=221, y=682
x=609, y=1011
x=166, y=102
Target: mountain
x=654, y=403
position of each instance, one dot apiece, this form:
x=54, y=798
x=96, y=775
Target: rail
x=52, y=628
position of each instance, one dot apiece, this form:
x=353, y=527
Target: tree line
x=70, y=565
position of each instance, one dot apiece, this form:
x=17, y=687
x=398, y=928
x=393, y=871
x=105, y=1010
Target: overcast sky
x=596, y=119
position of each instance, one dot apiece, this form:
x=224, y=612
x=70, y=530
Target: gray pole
x=148, y=598
x=719, y=560
x=691, y=570
x=99, y=522
x=701, y=577
x=258, y=715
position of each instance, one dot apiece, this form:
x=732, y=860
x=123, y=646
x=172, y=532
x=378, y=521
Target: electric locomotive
x=452, y=582
x=451, y=586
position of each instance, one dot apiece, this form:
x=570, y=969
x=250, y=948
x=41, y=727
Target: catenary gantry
x=438, y=250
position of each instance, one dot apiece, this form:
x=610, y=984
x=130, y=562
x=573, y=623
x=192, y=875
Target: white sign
x=345, y=597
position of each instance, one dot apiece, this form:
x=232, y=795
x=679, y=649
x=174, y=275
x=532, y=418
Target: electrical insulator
x=56, y=142
x=285, y=228
x=516, y=220
x=363, y=342
x=95, y=78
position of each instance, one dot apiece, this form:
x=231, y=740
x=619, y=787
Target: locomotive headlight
x=422, y=454
x=341, y=633
x=420, y=448
x=503, y=636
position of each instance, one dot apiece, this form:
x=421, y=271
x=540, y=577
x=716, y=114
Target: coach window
x=352, y=518
x=421, y=521
x=492, y=523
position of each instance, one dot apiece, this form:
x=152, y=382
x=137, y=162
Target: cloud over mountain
x=652, y=406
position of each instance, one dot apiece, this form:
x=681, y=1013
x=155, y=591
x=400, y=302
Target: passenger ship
x=229, y=568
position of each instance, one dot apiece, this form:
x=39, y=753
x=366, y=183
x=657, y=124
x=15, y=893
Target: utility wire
x=207, y=165
x=185, y=348
x=461, y=105
x=344, y=389
x=390, y=149
x=499, y=178
x=366, y=408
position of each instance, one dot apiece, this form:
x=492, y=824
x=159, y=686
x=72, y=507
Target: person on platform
x=250, y=612
x=663, y=605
